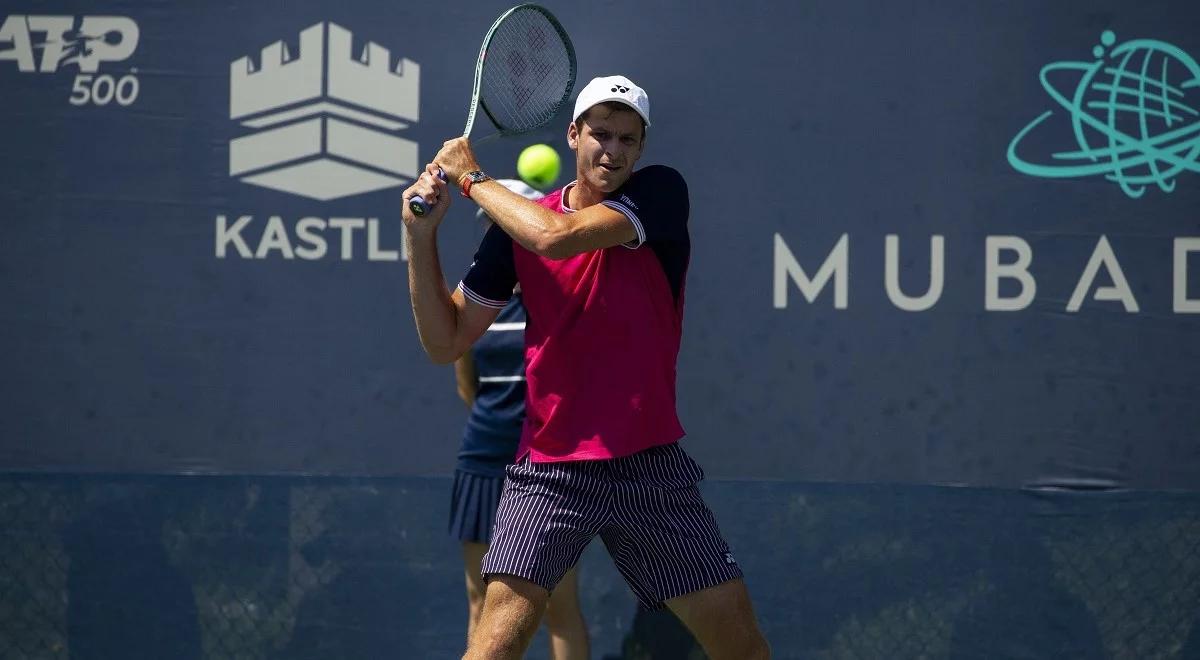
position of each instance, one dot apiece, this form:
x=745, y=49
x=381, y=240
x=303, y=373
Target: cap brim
x=619, y=99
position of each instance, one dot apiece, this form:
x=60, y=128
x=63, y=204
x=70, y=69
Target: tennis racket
x=524, y=74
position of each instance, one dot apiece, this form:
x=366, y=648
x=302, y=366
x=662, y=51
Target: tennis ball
x=538, y=165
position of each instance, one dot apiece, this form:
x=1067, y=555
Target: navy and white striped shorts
x=646, y=507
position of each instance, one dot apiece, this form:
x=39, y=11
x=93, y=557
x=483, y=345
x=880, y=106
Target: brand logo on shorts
x=729, y=558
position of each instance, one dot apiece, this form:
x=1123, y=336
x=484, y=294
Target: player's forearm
x=535, y=227
x=433, y=310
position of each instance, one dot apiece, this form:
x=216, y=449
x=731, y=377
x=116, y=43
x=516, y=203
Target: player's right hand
x=436, y=194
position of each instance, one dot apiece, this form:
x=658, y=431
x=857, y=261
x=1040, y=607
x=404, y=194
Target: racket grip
x=417, y=204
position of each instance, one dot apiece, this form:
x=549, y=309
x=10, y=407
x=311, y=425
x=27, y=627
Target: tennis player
x=602, y=265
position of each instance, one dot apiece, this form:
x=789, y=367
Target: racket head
x=526, y=70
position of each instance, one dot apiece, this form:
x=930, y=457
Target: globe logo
x=1129, y=113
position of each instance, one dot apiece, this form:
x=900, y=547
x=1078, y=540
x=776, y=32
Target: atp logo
x=84, y=43
x=1133, y=116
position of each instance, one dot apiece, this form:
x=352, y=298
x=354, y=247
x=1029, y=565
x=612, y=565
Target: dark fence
x=250, y=567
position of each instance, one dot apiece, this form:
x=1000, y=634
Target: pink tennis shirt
x=603, y=329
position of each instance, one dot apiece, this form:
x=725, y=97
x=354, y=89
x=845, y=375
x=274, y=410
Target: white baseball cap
x=613, y=88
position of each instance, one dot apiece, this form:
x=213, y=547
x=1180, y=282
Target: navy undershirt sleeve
x=492, y=275
x=655, y=199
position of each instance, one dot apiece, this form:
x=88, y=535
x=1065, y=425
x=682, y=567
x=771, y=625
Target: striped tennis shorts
x=646, y=508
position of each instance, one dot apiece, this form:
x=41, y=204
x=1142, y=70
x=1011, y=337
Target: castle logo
x=324, y=122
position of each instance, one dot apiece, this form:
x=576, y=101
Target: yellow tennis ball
x=538, y=165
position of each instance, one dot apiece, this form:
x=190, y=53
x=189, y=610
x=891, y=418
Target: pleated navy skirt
x=473, y=503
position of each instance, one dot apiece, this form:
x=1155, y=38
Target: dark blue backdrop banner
x=938, y=242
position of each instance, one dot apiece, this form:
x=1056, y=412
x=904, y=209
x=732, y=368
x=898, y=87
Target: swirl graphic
x=1131, y=123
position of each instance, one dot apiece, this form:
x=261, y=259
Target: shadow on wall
x=386, y=591
x=124, y=598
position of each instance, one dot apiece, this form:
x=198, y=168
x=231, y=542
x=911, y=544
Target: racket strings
x=528, y=72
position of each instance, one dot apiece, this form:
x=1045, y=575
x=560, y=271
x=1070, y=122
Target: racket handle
x=417, y=204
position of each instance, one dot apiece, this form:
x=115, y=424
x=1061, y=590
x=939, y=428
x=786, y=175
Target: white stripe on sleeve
x=637, y=224
x=480, y=300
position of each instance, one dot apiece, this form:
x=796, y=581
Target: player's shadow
x=1191, y=648
x=658, y=635
x=124, y=598
x=1027, y=613
x=383, y=594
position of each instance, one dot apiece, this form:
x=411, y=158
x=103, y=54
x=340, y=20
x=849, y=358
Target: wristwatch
x=469, y=179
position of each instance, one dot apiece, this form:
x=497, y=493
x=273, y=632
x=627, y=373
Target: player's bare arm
x=447, y=323
x=535, y=227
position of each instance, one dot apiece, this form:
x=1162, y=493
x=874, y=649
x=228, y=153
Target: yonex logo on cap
x=613, y=88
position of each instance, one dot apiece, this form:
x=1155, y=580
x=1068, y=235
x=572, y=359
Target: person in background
x=491, y=381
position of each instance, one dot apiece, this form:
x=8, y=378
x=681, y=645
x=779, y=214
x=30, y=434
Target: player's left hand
x=456, y=159
x=436, y=194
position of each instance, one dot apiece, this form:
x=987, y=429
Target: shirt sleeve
x=655, y=199
x=492, y=275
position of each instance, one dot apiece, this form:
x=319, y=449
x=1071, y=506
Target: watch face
x=476, y=177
